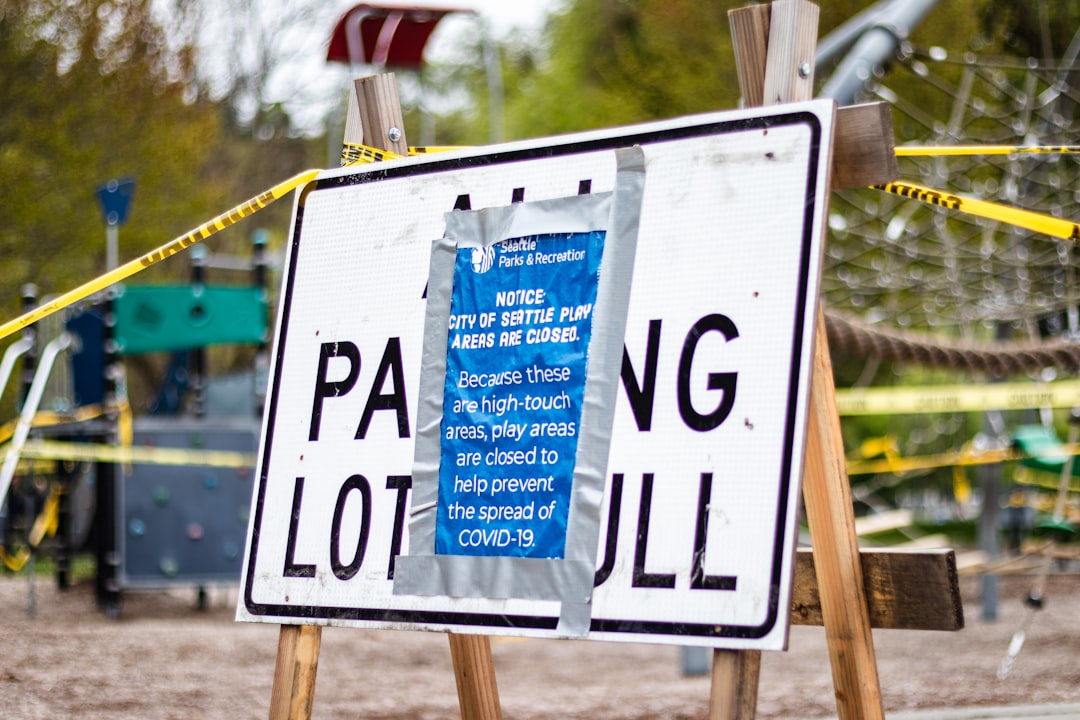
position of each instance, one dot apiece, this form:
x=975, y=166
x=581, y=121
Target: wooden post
x=379, y=114
x=373, y=119
x=734, y=689
x=380, y=125
x=474, y=672
x=294, y=672
x=787, y=76
x=750, y=41
x=827, y=496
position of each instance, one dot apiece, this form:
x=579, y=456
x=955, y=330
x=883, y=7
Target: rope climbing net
x=905, y=280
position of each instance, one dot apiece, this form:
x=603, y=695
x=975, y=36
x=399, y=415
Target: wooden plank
x=789, y=77
x=750, y=41
x=734, y=684
x=735, y=675
x=380, y=113
x=478, y=692
x=373, y=109
x=880, y=522
x=904, y=590
x=864, y=150
x=354, y=130
x=771, y=35
x=474, y=671
x=297, y=662
x=827, y=497
x=789, y=68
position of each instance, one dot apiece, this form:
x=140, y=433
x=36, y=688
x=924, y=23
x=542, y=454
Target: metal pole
x=261, y=278
x=493, y=67
x=199, y=255
x=844, y=36
x=107, y=582
x=893, y=25
x=112, y=246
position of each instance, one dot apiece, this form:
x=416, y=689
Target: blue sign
x=519, y=328
x=115, y=198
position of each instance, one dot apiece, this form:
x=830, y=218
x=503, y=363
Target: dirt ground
x=166, y=659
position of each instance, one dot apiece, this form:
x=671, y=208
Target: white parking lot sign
x=698, y=523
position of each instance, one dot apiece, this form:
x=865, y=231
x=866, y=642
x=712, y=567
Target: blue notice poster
x=519, y=328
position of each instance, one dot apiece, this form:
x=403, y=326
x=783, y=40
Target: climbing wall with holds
x=185, y=524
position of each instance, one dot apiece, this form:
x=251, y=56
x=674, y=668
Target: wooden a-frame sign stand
x=835, y=585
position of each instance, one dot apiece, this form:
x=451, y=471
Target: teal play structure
x=187, y=317
x=1045, y=452
x=148, y=524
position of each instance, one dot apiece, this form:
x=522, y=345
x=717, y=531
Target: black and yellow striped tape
x=1037, y=222
x=353, y=153
x=169, y=249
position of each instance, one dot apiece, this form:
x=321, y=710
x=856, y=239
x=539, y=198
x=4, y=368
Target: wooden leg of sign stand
x=474, y=672
x=376, y=111
x=294, y=672
x=836, y=550
x=789, y=30
x=734, y=684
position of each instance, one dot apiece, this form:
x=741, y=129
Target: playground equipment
x=833, y=621
x=167, y=494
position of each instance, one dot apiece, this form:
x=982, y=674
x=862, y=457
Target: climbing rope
x=852, y=337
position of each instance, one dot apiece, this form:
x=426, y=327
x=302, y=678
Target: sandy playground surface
x=166, y=659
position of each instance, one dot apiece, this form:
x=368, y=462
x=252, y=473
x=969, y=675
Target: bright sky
x=322, y=82
x=503, y=14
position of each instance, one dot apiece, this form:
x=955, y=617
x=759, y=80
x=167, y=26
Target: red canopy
x=385, y=35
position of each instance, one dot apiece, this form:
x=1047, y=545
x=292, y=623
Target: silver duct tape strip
x=569, y=579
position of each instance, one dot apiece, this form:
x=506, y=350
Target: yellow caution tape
x=1037, y=222
x=91, y=452
x=49, y=519
x=427, y=150
x=944, y=150
x=352, y=153
x=15, y=562
x=46, y=524
x=361, y=152
x=958, y=398
x=959, y=458
x=125, y=425
x=872, y=447
x=961, y=485
x=1045, y=480
x=967, y=456
x=46, y=418
x=155, y=256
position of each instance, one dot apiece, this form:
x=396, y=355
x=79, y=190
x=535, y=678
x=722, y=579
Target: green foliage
x=93, y=91
x=613, y=62
x=1031, y=29
x=101, y=89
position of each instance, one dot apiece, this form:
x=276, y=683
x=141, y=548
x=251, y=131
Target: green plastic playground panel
x=1047, y=451
x=167, y=318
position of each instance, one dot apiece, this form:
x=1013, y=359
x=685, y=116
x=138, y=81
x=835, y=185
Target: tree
x=94, y=90
x=612, y=62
